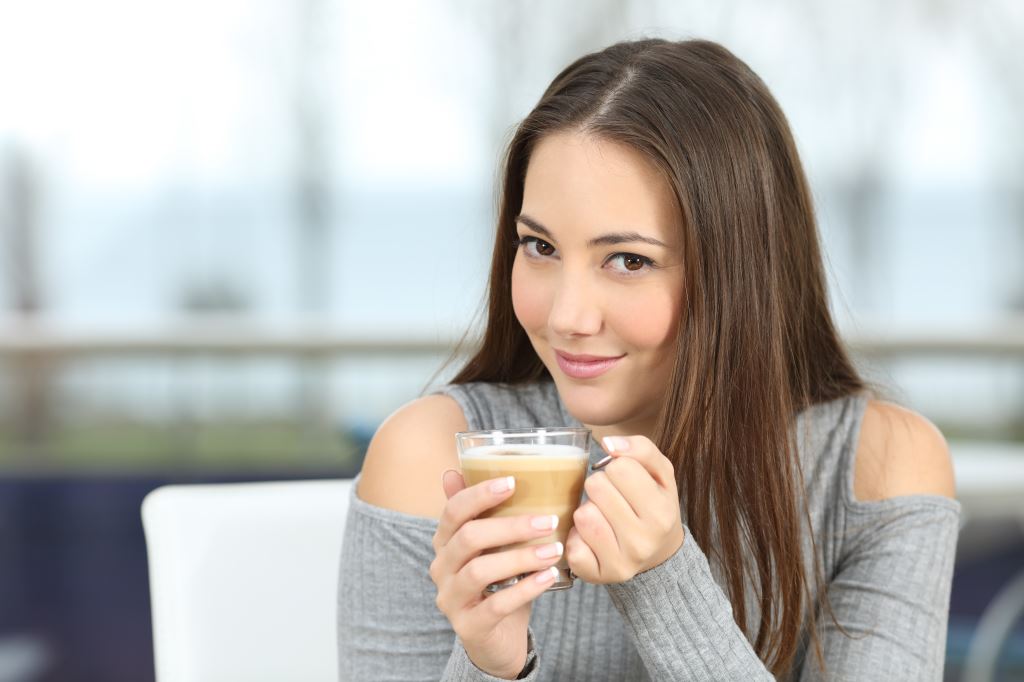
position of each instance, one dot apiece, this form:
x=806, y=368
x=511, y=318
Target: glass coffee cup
x=549, y=466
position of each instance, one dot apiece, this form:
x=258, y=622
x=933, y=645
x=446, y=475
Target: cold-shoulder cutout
x=900, y=454
x=408, y=454
x=889, y=564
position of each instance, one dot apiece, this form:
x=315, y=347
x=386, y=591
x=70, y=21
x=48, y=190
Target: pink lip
x=585, y=366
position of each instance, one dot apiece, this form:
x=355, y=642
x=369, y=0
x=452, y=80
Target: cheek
x=646, y=320
x=530, y=299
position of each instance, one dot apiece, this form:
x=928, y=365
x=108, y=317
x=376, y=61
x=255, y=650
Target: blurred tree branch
x=997, y=27
x=19, y=230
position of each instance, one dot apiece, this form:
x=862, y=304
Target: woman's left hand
x=631, y=522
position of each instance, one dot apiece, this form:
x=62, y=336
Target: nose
x=576, y=308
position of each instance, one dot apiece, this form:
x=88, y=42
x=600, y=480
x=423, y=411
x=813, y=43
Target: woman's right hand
x=492, y=627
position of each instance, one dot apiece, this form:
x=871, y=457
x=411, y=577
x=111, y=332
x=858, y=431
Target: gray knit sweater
x=888, y=566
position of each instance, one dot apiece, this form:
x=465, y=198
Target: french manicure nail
x=549, y=522
x=615, y=443
x=502, y=484
x=549, y=551
x=548, y=575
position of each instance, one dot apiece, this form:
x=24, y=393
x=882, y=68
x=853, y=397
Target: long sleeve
x=389, y=627
x=890, y=592
x=682, y=622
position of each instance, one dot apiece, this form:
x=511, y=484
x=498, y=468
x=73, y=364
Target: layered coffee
x=549, y=480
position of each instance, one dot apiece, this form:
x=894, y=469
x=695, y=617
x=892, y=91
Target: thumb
x=452, y=482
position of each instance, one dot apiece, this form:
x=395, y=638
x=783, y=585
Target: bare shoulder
x=900, y=452
x=408, y=454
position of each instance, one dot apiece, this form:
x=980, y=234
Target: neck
x=634, y=428
x=643, y=426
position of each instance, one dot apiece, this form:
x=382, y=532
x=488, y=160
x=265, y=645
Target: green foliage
x=139, y=447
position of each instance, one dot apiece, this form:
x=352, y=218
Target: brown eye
x=543, y=248
x=632, y=263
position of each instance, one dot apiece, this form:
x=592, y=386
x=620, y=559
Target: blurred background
x=235, y=236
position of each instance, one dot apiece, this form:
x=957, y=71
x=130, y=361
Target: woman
x=763, y=517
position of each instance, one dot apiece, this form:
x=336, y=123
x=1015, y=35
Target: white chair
x=244, y=579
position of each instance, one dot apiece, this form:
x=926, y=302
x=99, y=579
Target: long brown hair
x=756, y=340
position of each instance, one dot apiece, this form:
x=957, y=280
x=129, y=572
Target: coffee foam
x=545, y=450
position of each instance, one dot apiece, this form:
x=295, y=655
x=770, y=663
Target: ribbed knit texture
x=888, y=565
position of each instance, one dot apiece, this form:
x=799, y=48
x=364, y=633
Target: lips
x=585, y=366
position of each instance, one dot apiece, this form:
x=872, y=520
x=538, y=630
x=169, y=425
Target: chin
x=590, y=403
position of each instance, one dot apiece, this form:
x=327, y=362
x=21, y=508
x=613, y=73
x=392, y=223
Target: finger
x=635, y=484
x=469, y=503
x=487, y=569
x=616, y=510
x=581, y=559
x=452, y=482
x=595, y=530
x=480, y=535
x=644, y=451
x=503, y=603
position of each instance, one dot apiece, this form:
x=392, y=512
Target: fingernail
x=548, y=551
x=549, y=522
x=548, y=576
x=615, y=443
x=502, y=484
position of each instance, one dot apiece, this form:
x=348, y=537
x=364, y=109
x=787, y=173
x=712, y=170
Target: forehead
x=581, y=185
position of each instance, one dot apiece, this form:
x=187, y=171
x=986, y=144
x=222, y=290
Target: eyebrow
x=605, y=239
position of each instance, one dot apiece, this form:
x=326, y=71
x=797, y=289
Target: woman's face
x=618, y=297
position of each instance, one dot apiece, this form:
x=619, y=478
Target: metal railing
x=245, y=336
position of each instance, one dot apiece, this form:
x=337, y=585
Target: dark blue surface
x=73, y=572
x=975, y=583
